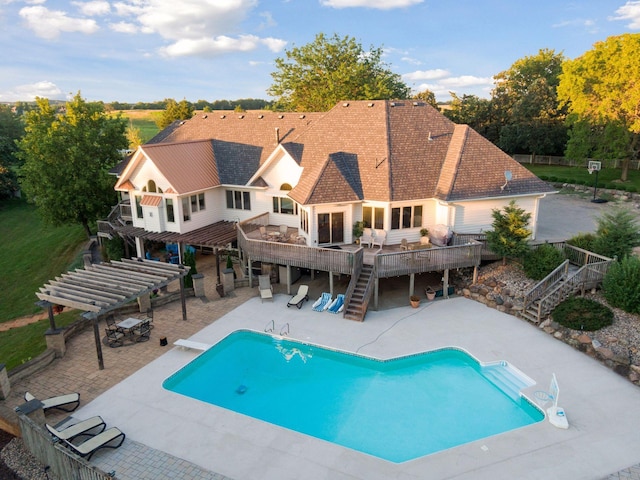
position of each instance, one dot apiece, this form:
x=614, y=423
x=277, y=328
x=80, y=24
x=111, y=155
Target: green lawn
x=145, y=120
x=32, y=254
x=607, y=177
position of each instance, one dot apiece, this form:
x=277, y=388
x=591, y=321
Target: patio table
x=129, y=324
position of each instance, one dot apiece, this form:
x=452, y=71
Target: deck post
x=475, y=275
x=412, y=283
x=445, y=284
x=250, y=270
x=375, y=292
x=331, y=283
x=288, y=279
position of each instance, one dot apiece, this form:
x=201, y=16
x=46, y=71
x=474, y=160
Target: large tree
x=182, y=110
x=318, y=75
x=601, y=88
x=67, y=155
x=11, y=129
x=476, y=112
x=525, y=97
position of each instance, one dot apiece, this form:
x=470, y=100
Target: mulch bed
x=5, y=472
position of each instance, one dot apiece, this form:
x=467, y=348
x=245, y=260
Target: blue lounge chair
x=337, y=305
x=322, y=303
x=149, y=257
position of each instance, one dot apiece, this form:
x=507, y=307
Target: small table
x=129, y=324
x=274, y=236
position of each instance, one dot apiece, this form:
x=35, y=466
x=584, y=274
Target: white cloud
x=268, y=21
x=419, y=75
x=629, y=11
x=377, y=4
x=208, y=47
x=464, y=84
x=50, y=23
x=124, y=27
x=44, y=89
x=466, y=81
x=93, y=8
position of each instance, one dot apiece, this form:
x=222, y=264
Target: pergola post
x=183, y=299
x=96, y=334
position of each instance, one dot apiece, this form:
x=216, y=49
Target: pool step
x=507, y=378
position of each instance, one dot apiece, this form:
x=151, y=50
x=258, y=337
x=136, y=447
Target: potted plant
x=415, y=301
x=424, y=236
x=358, y=230
x=430, y=293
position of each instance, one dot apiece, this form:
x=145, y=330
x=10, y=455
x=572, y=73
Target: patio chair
x=263, y=233
x=367, y=237
x=337, y=305
x=150, y=317
x=67, y=403
x=264, y=285
x=85, y=427
x=115, y=338
x=110, y=320
x=379, y=238
x=95, y=443
x=404, y=244
x=142, y=332
x=299, y=298
x=322, y=303
x=283, y=230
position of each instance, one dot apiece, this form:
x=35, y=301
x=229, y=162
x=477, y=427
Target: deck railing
x=314, y=258
x=428, y=260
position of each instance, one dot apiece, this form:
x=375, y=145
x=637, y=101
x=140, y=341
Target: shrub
x=583, y=240
x=621, y=285
x=543, y=177
x=580, y=313
x=113, y=248
x=540, y=262
x=631, y=188
x=509, y=235
x=553, y=178
x=189, y=260
x=617, y=234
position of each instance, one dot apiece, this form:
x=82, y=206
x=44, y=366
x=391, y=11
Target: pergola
x=99, y=288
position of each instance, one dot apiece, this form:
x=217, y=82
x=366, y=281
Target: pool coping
x=598, y=442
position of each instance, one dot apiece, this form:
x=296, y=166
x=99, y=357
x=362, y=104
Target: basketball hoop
x=594, y=166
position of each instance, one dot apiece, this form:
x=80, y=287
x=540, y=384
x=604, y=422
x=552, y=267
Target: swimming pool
x=397, y=409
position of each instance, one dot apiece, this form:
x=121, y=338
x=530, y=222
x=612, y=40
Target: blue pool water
x=397, y=409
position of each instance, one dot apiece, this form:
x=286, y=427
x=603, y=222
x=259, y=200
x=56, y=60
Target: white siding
x=475, y=217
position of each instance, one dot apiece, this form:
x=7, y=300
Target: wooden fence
x=569, y=162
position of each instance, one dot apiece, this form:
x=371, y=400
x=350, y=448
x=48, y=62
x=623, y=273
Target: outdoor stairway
x=506, y=378
x=357, y=306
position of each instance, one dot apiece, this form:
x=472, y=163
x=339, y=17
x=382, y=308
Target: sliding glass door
x=331, y=227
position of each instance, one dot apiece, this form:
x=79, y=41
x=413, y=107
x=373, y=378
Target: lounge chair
x=67, y=403
x=322, y=303
x=299, y=298
x=264, y=285
x=337, y=305
x=84, y=427
x=149, y=257
x=93, y=444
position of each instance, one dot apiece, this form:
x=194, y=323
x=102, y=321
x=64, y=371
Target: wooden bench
x=192, y=345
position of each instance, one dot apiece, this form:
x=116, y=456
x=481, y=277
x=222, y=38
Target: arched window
x=151, y=186
x=285, y=186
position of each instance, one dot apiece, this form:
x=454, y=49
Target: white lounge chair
x=93, y=444
x=77, y=429
x=67, y=403
x=299, y=298
x=264, y=285
x=322, y=303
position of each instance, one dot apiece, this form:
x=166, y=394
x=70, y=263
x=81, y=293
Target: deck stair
x=358, y=301
x=507, y=378
x=565, y=281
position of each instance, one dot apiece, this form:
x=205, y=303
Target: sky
x=149, y=50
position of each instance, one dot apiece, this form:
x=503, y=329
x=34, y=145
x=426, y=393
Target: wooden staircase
x=559, y=285
x=358, y=295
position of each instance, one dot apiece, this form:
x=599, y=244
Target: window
x=194, y=203
x=186, y=211
x=139, y=213
x=238, y=200
x=304, y=221
x=285, y=205
x=373, y=217
x=406, y=217
x=201, y=201
x=171, y=217
x=151, y=186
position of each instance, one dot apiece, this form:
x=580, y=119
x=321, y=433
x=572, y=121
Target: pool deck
x=602, y=407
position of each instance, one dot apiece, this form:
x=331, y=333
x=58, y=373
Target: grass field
x=607, y=177
x=145, y=120
x=32, y=254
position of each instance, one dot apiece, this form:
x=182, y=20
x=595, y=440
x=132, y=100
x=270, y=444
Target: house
x=398, y=166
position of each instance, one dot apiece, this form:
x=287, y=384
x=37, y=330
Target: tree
x=525, y=97
x=510, y=233
x=617, y=234
x=175, y=111
x=11, y=129
x=134, y=138
x=427, y=96
x=316, y=76
x=477, y=113
x=67, y=157
x=601, y=87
